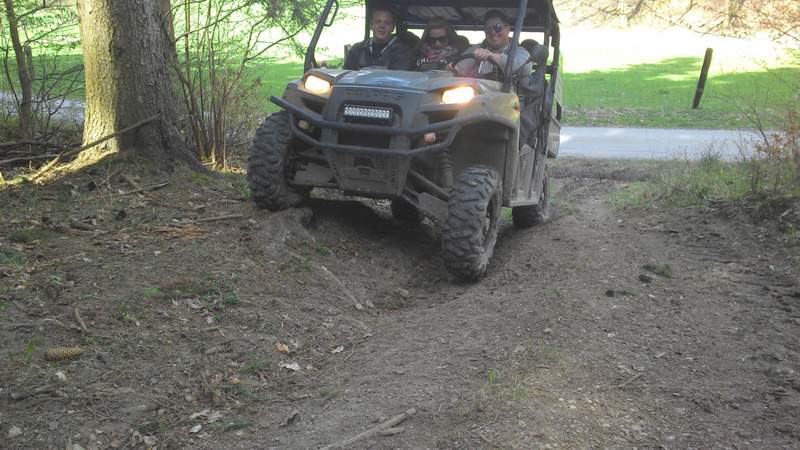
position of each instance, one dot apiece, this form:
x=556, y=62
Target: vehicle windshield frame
x=542, y=10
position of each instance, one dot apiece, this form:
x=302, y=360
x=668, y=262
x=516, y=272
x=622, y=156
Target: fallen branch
x=130, y=181
x=218, y=218
x=342, y=287
x=46, y=168
x=27, y=142
x=389, y=424
x=25, y=158
x=392, y=431
x=77, y=315
x=152, y=187
x=17, y=396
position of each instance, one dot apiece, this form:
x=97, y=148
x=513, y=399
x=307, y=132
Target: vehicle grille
x=368, y=114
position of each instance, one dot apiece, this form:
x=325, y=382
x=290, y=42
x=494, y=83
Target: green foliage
x=12, y=259
x=254, y=367
x=151, y=292
x=211, y=293
x=31, y=235
x=664, y=270
x=232, y=425
x=30, y=349
x=492, y=376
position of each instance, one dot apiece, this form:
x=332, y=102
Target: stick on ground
x=77, y=315
x=389, y=424
x=46, y=168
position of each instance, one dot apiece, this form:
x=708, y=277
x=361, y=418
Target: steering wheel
x=488, y=76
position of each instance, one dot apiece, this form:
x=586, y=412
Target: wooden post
x=701, y=83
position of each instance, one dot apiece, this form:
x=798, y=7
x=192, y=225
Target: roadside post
x=701, y=83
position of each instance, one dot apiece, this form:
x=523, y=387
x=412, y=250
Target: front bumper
x=451, y=127
x=375, y=171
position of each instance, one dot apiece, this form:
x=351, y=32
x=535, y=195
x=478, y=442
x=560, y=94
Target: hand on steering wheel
x=473, y=56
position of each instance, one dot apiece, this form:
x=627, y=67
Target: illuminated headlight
x=317, y=85
x=367, y=113
x=461, y=94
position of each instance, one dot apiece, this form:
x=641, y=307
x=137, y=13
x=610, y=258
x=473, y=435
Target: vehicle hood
x=400, y=79
x=417, y=81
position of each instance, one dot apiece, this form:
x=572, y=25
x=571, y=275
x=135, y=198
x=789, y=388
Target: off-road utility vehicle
x=454, y=149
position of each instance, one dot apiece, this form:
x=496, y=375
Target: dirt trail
x=568, y=343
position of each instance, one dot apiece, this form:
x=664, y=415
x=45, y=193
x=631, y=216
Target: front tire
x=528, y=216
x=266, y=165
x=470, y=231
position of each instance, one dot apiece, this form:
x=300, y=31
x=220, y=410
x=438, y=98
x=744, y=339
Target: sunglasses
x=440, y=39
x=496, y=28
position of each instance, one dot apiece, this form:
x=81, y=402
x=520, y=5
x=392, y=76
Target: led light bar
x=368, y=113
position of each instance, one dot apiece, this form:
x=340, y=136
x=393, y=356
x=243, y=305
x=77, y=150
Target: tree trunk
x=23, y=69
x=127, y=53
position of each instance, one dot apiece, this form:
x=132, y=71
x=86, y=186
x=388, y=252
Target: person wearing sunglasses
x=383, y=49
x=494, y=48
x=440, y=44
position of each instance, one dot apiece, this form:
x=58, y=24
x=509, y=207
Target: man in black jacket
x=383, y=48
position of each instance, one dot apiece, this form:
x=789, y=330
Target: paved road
x=651, y=143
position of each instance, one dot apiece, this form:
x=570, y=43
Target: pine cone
x=62, y=353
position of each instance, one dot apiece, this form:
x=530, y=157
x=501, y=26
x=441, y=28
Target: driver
x=495, y=48
x=383, y=48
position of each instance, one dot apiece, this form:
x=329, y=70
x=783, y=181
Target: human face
x=382, y=25
x=437, y=38
x=496, y=33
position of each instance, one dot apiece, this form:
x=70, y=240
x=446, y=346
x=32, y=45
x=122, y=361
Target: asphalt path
x=653, y=143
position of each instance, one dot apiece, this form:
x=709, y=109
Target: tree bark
x=127, y=53
x=23, y=69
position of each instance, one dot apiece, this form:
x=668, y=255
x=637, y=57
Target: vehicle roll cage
x=548, y=26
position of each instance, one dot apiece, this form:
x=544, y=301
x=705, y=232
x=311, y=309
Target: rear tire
x=470, y=230
x=528, y=216
x=405, y=211
x=266, y=165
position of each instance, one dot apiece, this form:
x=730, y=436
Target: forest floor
x=205, y=323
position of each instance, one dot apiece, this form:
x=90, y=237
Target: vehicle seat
x=531, y=91
x=461, y=43
x=408, y=38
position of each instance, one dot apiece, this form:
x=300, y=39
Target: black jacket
x=397, y=55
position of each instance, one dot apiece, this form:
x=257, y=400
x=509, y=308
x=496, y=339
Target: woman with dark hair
x=439, y=45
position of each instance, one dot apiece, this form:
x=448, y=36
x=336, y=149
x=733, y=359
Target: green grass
x=52, y=64
x=686, y=184
x=660, y=95
x=31, y=235
x=763, y=185
x=11, y=259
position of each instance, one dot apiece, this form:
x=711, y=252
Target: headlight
x=461, y=94
x=317, y=85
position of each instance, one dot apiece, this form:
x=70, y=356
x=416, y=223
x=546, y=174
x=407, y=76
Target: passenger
x=439, y=46
x=383, y=48
x=496, y=46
